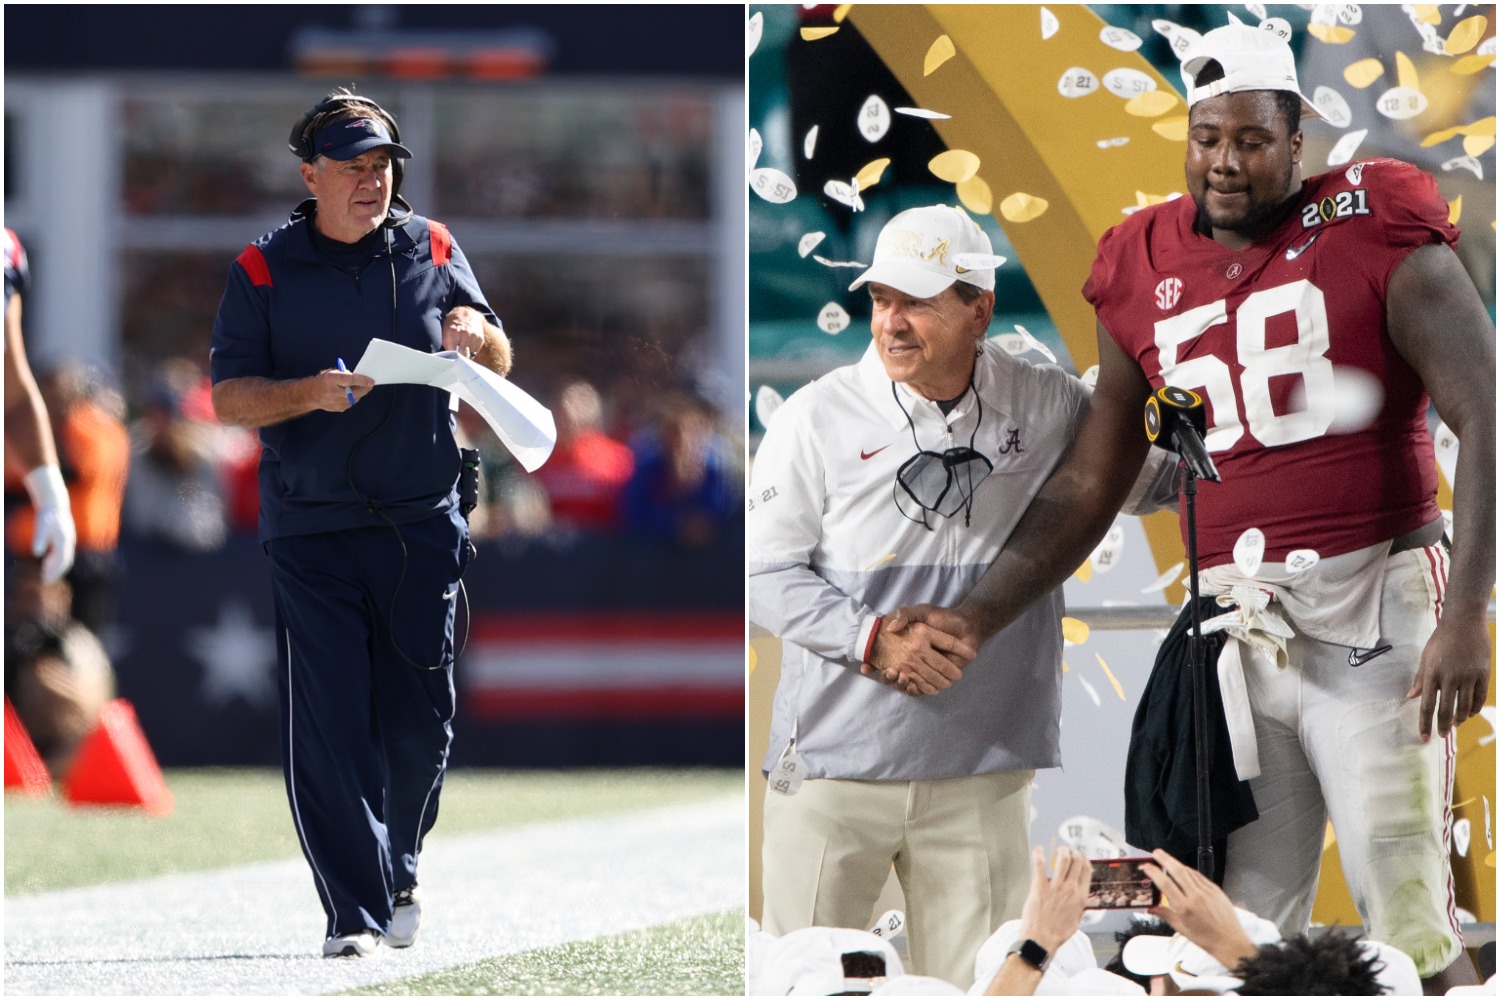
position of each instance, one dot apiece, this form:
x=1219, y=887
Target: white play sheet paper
x=524, y=426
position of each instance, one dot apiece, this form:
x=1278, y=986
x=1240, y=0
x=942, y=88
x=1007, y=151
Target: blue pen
x=347, y=391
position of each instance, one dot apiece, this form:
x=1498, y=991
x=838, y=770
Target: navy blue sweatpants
x=365, y=734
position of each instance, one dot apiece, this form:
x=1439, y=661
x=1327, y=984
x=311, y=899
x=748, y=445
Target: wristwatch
x=1031, y=953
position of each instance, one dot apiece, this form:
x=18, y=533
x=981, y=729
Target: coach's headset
x=300, y=142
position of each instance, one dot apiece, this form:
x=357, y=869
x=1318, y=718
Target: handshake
x=922, y=648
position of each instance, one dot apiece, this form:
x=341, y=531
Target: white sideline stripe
x=522, y=665
x=258, y=929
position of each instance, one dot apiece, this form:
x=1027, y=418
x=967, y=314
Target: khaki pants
x=959, y=847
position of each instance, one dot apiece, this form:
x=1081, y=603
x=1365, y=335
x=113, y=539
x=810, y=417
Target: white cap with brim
x=1398, y=974
x=922, y=251
x=809, y=962
x=1252, y=58
x=1190, y=967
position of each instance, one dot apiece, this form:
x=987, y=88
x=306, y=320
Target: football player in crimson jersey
x=1271, y=296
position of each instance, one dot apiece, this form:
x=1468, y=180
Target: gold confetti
x=1328, y=838
x=1022, y=207
x=1469, y=65
x=1465, y=35
x=1075, y=631
x=1484, y=126
x=813, y=34
x=1466, y=802
x=955, y=166
x=1406, y=72
x=1065, y=666
x=1455, y=210
x=752, y=659
x=1442, y=135
x=1151, y=103
x=840, y=12
x=869, y=174
x=1113, y=680
x=882, y=559
x=1478, y=145
x=1361, y=74
x=1333, y=34
x=1427, y=13
x=941, y=51
x=1490, y=860
x=1175, y=129
x=975, y=195
x=1084, y=573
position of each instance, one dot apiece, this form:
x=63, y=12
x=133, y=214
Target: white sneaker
x=356, y=944
x=406, y=918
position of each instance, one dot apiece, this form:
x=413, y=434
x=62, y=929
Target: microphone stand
x=1198, y=655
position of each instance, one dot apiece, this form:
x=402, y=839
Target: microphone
x=1176, y=422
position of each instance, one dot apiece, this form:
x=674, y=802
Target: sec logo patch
x=1168, y=292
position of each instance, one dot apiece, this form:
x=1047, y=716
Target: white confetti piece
x=1120, y=38
x=1249, y=550
x=1333, y=106
x=1350, y=13
x=1181, y=39
x=977, y=261
x=809, y=243
x=1487, y=47
x=1487, y=713
x=1036, y=345
x=844, y=194
x=1093, y=838
x=1401, y=103
x=1093, y=695
x=1106, y=555
x=752, y=149
x=1090, y=378
x=810, y=143
x=1301, y=560
x=1325, y=13
x=1012, y=343
x=1468, y=163
x=1277, y=26
x=1126, y=83
x=1447, y=523
x=921, y=113
x=1489, y=836
x=1343, y=150
x=767, y=402
x=1165, y=580
x=1258, y=10
x=1049, y=24
x=754, y=28
x=772, y=185
x=833, y=318
x=1461, y=838
x=874, y=119
x=1077, y=82
x=1111, y=143
x=1445, y=442
x=837, y=263
x=1354, y=396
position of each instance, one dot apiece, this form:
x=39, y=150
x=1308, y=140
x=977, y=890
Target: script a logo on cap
x=1168, y=292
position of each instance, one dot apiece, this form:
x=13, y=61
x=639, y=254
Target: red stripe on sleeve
x=255, y=266
x=440, y=242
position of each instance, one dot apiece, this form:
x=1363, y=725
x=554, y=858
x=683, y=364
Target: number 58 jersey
x=1316, y=423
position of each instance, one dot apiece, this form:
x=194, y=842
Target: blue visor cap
x=344, y=140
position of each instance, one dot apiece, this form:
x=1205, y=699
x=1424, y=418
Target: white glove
x=55, y=536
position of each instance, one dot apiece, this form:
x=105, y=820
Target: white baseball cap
x=1253, y=59
x=809, y=962
x=922, y=251
x=1190, y=967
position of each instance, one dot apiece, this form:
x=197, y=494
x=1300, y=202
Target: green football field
x=227, y=823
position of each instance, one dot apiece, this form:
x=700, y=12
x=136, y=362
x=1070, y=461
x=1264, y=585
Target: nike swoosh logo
x=1296, y=252
x=1358, y=659
x=865, y=456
